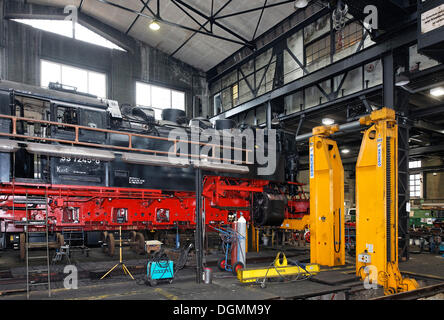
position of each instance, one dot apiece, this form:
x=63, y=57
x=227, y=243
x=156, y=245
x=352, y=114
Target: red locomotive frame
x=106, y=209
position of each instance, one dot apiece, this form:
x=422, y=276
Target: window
x=415, y=164
x=177, y=100
x=235, y=93
x=143, y=94
x=318, y=50
x=82, y=80
x=159, y=98
x=415, y=180
x=349, y=36
x=64, y=28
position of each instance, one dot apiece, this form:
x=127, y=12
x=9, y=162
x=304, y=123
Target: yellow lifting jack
x=326, y=199
x=279, y=269
x=377, y=204
x=376, y=201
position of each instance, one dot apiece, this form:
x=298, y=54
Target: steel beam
x=246, y=42
x=389, y=88
x=190, y=16
x=427, y=112
x=81, y=5
x=252, y=90
x=367, y=55
x=427, y=150
x=403, y=189
x=402, y=107
x=429, y=127
x=173, y=24
x=333, y=103
x=292, y=55
x=145, y=5
x=194, y=33
x=259, y=20
x=265, y=72
x=426, y=169
x=255, y=9
x=214, y=75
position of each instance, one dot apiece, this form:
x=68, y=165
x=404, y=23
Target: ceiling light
x=327, y=121
x=437, y=92
x=154, y=25
x=402, y=80
x=345, y=151
x=300, y=4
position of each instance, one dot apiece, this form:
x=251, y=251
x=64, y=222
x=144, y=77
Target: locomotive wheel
x=221, y=264
x=103, y=238
x=60, y=239
x=22, y=246
x=153, y=282
x=133, y=240
x=139, y=246
x=237, y=266
x=390, y=291
x=111, y=244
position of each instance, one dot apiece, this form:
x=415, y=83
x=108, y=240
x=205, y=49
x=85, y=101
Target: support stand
x=124, y=268
x=199, y=227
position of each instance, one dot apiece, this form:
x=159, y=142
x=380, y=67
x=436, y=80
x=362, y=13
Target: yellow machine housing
x=296, y=224
x=326, y=200
x=280, y=268
x=377, y=204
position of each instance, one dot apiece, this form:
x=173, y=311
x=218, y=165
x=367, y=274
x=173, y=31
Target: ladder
x=28, y=245
x=75, y=238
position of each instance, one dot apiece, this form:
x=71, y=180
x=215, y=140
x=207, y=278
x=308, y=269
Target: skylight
x=64, y=28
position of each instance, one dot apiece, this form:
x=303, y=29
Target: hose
x=340, y=233
x=298, y=276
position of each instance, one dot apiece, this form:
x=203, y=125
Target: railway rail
x=424, y=292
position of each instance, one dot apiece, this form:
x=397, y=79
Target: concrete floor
x=426, y=264
x=330, y=284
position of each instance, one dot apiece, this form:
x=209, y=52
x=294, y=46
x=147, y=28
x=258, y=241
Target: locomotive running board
x=221, y=167
x=8, y=145
x=69, y=151
x=145, y=159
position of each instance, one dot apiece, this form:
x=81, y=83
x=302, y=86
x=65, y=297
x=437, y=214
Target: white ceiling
x=202, y=51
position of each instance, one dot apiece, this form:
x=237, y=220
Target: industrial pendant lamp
x=154, y=25
x=328, y=121
x=402, y=80
x=300, y=4
x=437, y=92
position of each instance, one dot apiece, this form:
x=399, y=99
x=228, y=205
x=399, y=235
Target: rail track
x=424, y=292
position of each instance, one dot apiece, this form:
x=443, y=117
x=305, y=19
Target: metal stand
x=199, y=227
x=124, y=268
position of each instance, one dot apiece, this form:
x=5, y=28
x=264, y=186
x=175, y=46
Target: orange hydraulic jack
x=377, y=205
x=326, y=199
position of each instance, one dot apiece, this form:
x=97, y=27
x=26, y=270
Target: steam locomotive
x=71, y=161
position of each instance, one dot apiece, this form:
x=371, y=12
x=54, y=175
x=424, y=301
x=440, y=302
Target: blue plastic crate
x=160, y=270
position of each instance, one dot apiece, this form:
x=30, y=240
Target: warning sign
x=432, y=19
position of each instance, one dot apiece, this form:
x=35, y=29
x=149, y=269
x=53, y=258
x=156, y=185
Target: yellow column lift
x=377, y=204
x=326, y=199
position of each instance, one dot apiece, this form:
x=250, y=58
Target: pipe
x=343, y=127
